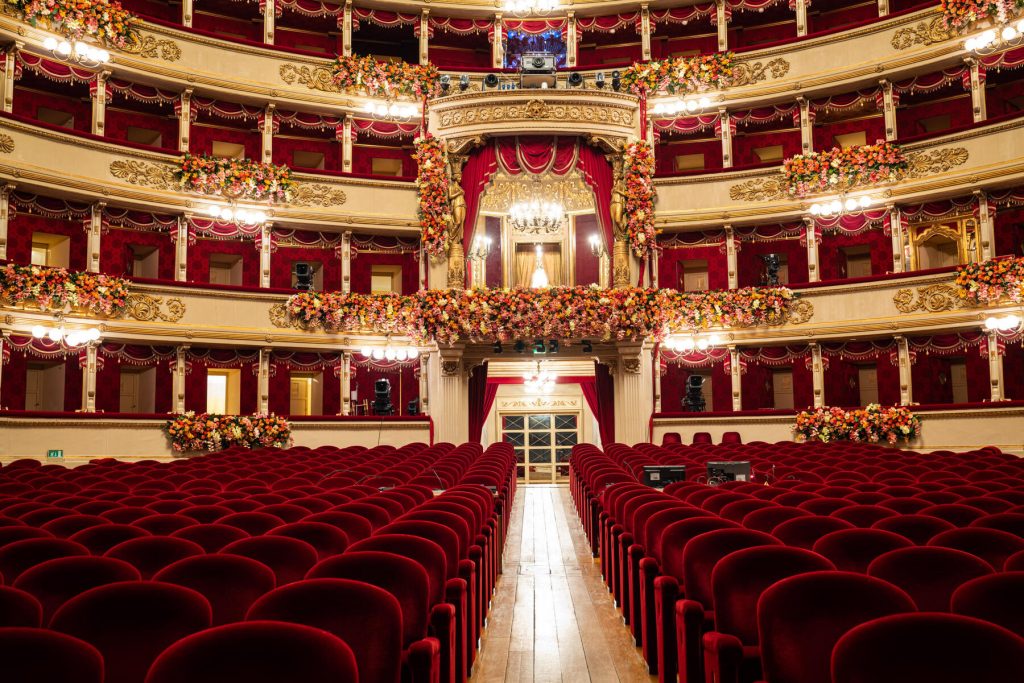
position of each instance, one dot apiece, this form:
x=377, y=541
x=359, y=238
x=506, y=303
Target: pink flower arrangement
x=235, y=178
x=842, y=168
x=680, y=75
x=961, y=15
x=991, y=281
x=450, y=315
x=638, y=176
x=191, y=432
x=104, y=20
x=355, y=74
x=56, y=289
x=432, y=188
x=872, y=424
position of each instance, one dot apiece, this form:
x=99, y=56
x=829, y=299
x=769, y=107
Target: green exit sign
x=55, y=453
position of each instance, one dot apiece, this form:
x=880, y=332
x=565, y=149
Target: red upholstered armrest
x=443, y=625
x=423, y=661
x=691, y=622
x=723, y=655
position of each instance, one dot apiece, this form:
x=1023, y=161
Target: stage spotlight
x=538, y=346
x=491, y=80
x=599, y=79
x=498, y=348
x=519, y=346
x=303, y=276
x=616, y=81
x=587, y=346
x=463, y=82
x=446, y=83
x=575, y=79
x=552, y=346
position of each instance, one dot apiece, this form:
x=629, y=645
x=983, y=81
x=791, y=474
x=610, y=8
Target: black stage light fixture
x=382, y=397
x=616, y=81
x=552, y=346
x=491, y=80
x=446, y=83
x=538, y=346
x=413, y=408
x=464, y=82
x=575, y=79
x=599, y=79
x=303, y=276
x=588, y=347
x=498, y=348
x=520, y=346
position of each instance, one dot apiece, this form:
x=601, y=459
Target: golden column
x=620, y=248
x=456, y=226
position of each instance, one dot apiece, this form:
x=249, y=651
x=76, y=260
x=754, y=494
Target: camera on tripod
x=693, y=401
x=382, y=397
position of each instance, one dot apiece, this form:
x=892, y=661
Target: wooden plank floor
x=552, y=618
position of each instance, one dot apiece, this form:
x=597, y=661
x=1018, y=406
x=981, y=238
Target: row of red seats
x=116, y=569
x=758, y=580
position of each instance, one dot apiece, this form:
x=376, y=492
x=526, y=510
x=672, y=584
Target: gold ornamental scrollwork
x=924, y=164
x=151, y=47
x=313, y=77
x=144, y=173
x=315, y=194
x=925, y=33
x=279, y=316
x=149, y=308
x=534, y=110
x=6, y=144
x=800, y=311
x=930, y=299
x=748, y=73
x=450, y=368
x=759, y=190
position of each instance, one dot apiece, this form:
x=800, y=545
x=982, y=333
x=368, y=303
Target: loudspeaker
x=575, y=79
x=491, y=80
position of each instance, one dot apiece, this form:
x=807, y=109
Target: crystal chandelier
x=539, y=382
x=68, y=338
x=996, y=39
x=236, y=215
x=540, y=276
x=392, y=111
x=841, y=206
x=522, y=8
x=76, y=51
x=536, y=217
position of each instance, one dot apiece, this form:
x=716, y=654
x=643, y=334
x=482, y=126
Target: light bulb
x=991, y=323
x=835, y=206
x=1009, y=33
x=103, y=56
x=242, y=216
x=38, y=331
x=212, y=211
x=413, y=353
x=366, y=351
x=74, y=338
x=401, y=355
x=687, y=346
x=702, y=344
x=815, y=209
x=55, y=334
x=971, y=45
x=865, y=201
x=50, y=43
x=714, y=340
x=389, y=353
x=227, y=214
x=93, y=334
x=64, y=48
x=381, y=110
x=368, y=108
x=378, y=354
x=691, y=106
x=850, y=204
x=704, y=102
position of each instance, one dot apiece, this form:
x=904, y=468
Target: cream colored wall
x=136, y=439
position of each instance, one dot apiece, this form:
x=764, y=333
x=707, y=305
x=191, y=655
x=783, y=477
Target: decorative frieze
x=151, y=308
x=313, y=77
x=924, y=33
x=151, y=47
x=315, y=194
x=144, y=173
x=748, y=73
x=930, y=299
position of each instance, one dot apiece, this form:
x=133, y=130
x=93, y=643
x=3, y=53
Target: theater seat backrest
x=30, y=654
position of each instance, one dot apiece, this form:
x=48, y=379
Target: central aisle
x=552, y=618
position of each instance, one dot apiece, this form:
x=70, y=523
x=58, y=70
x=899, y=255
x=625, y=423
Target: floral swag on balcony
x=56, y=289
x=102, y=20
x=234, y=178
x=844, y=168
x=432, y=188
x=193, y=433
x=991, y=281
x=450, y=315
x=873, y=424
x=961, y=15
x=354, y=74
x=680, y=75
x=638, y=174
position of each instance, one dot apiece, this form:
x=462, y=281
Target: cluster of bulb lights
x=995, y=38
x=1003, y=323
x=676, y=107
x=536, y=214
x=399, y=353
x=840, y=206
x=685, y=344
x=531, y=6
x=393, y=110
x=83, y=53
x=239, y=216
x=481, y=247
x=540, y=382
x=70, y=338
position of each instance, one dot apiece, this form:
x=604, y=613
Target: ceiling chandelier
x=390, y=352
x=841, y=206
x=68, y=338
x=392, y=111
x=527, y=7
x=76, y=51
x=690, y=106
x=236, y=215
x=536, y=217
x=996, y=39
x=539, y=382
x=691, y=343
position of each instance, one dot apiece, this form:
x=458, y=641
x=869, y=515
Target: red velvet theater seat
x=998, y=598
x=938, y=648
x=804, y=532
x=288, y=558
x=100, y=539
x=928, y=575
x=30, y=654
x=150, y=554
x=853, y=550
x=56, y=581
x=18, y=608
x=257, y=652
x=917, y=528
x=21, y=555
x=212, y=537
x=231, y=583
x=991, y=545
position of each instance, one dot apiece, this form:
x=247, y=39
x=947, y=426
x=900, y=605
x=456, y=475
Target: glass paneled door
x=543, y=443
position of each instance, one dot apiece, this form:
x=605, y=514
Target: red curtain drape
x=476, y=173
x=602, y=402
x=597, y=172
x=478, y=404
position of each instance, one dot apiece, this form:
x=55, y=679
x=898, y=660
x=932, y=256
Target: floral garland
x=990, y=281
x=235, y=178
x=355, y=74
x=56, y=289
x=104, y=20
x=432, y=187
x=450, y=315
x=638, y=175
x=872, y=424
x=680, y=75
x=841, y=168
x=191, y=432
x=961, y=15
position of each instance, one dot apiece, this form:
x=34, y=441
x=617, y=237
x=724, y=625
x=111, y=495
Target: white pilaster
x=906, y=384
x=883, y=8
x=645, y=32
x=185, y=120
x=424, y=36
x=424, y=384
x=656, y=362
x=186, y=13
x=498, y=45
x=448, y=382
x=346, y=383
x=977, y=90
x=263, y=382
x=726, y=124
x=267, y=133
x=806, y=129
x=731, y=260
x=5, y=217
x=896, y=233
x=818, y=375
x=178, y=380
x=801, y=17
x=736, y=377
x=9, y=65
x=89, y=379
x=570, y=40
x=995, y=367
x=269, y=14
x=99, y=103
x=94, y=237
x=723, y=26
x=986, y=227
x=633, y=384
x=889, y=109
x=346, y=144
x=811, y=234
x=265, y=253
x=181, y=251
x=346, y=261
x=346, y=29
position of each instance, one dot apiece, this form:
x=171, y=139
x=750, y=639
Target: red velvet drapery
x=601, y=399
x=478, y=404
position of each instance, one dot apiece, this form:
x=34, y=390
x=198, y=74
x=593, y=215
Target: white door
x=34, y=389
x=958, y=378
x=867, y=378
x=301, y=388
x=129, y=392
x=782, y=389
